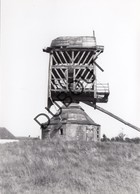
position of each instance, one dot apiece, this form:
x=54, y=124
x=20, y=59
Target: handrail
x=102, y=88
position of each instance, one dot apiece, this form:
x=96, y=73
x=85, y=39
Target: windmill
x=72, y=70
x=73, y=79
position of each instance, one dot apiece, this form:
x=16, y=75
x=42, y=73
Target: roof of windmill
x=5, y=134
x=73, y=114
x=74, y=41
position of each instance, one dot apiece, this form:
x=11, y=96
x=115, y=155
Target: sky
x=27, y=26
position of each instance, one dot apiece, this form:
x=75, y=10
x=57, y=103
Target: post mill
x=72, y=79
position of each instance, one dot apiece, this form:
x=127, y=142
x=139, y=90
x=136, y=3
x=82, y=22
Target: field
x=41, y=167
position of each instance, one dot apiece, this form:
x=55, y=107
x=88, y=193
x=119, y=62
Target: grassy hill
x=40, y=167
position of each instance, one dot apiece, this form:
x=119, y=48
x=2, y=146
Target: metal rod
x=98, y=66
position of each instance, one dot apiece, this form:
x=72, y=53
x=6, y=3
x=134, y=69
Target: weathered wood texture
x=75, y=124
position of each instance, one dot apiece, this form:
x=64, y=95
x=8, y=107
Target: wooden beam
x=117, y=118
x=68, y=56
x=76, y=55
x=98, y=66
x=113, y=116
x=59, y=57
x=64, y=57
x=86, y=57
x=51, y=49
x=81, y=58
x=55, y=59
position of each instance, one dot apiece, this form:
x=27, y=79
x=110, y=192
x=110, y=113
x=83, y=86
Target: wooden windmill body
x=73, y=79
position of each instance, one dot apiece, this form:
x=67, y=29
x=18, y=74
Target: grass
x=41, y=167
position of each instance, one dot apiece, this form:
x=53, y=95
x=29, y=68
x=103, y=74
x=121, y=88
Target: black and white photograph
x=70, y=97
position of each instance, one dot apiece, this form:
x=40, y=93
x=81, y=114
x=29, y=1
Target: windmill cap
x=74, y=42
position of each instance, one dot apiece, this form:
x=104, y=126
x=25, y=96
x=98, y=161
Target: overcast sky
x=27, y=26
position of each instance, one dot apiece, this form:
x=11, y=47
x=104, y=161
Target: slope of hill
x=41, y=167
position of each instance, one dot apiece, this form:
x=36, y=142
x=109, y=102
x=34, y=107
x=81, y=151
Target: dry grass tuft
x=41, y=167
